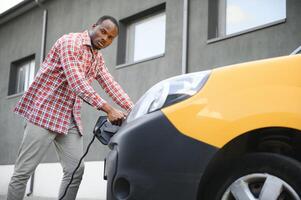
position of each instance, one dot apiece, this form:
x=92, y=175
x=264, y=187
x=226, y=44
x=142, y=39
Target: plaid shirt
x=63, y=82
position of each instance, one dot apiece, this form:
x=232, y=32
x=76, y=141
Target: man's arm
x=74, y=71
x=111, y=87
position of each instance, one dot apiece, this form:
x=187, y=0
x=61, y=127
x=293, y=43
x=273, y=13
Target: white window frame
x=296, y=51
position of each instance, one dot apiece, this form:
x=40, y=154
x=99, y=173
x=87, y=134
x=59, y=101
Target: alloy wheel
x=260, y=186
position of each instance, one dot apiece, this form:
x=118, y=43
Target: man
x=52, y=104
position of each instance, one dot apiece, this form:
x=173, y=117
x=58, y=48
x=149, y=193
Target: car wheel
x=257, y=176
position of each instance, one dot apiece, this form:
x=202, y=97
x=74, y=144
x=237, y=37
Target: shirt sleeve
x=73, y=67
x=112, y=88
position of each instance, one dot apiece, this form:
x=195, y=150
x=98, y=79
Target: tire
x=250, y=174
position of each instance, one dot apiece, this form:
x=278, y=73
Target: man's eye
x=103, y=31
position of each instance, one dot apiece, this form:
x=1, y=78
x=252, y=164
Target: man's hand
x=115, y=116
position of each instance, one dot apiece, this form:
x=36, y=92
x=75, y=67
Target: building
x=158, y=39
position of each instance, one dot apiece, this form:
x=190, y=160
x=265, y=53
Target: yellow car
x=231, y=133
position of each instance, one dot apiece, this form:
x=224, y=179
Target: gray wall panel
x=21, y=37
x=268, y=42
x=66, y=16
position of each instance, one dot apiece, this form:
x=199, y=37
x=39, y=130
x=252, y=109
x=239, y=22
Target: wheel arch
x=279, y=140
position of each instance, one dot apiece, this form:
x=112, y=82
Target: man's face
x=102, y=35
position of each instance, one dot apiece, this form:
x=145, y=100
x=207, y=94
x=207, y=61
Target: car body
x=236, y=137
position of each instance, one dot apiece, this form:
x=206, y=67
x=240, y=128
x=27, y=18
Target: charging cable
x=79, y=164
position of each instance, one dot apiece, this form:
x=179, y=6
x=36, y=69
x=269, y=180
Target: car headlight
x=168, y=92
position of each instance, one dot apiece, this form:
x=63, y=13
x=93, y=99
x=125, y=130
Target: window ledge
x=246, y=31
x=14, y=95
x=140, y=61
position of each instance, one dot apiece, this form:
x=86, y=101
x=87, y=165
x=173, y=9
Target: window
x=234, y=16
x=21, y=75
x=146, y=38
x=142, y=36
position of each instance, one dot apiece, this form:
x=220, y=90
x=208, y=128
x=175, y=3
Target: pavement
x=44, y=198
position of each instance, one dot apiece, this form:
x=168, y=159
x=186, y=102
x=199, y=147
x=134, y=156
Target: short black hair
x=105, y=17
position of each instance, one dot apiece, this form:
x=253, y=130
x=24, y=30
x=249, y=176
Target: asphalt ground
x=44, y=198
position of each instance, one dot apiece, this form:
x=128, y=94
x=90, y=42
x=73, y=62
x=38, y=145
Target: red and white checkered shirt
x=64, y=81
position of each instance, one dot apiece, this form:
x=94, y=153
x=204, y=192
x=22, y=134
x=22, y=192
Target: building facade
x=158, y=39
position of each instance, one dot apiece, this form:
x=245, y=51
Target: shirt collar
x=86, y=38
x=87, y=41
